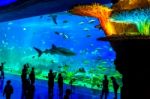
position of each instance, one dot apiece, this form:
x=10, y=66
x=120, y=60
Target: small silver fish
x=80, y=23
x=91, y=21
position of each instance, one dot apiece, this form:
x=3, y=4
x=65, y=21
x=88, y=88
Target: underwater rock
x=69, y=75
x=96, y=81
x=124, y=28
x=82, y=70
x=81, y=76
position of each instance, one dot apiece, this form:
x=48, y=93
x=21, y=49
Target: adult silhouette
x=105, y=89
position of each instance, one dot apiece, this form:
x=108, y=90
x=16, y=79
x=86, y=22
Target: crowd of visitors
x=28, y=84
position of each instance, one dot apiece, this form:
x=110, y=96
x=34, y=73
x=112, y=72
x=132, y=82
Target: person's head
x=24, y=66
x=59, y=75
x=32, y=68
x=8, y=82
x=50, y=70
x=68, y=91
x=105, y=76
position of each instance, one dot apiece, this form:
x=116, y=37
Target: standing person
x=8, y=90
x=60, y=84
x=24, y=76
x=2, y=70
x=32, y=76
x=24, y=81
x=115, y=86
x=31, y=90
x=68, y=93
x=51, y=78
x=105, y=89
x=27, y=88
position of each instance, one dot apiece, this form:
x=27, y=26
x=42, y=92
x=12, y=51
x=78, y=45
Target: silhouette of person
x=32, y=76
x=24, y=76
x=26, y=89
x=51, y=78
x=60, y=84
x=8, y=90
x=25, y=82
x=105, y=90
x=2, y=66
x=68, y=93
x=2, y=70
x=115, y=86
x=31, y=91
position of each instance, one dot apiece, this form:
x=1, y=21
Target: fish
x=98, y=26
x=88, y=35
x=64, y=35
x=55, y=50
x=57, y=33
x=91, y=21
x=54, y=18
x=85, y=29
x=80, y=23
x=65, y=21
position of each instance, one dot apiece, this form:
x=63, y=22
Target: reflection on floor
x=41, y=90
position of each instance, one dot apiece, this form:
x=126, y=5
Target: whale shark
x=55, y=50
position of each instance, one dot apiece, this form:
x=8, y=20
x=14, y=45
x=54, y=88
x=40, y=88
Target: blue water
x=75, y=33
x=22, y=35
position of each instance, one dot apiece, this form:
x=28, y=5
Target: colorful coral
x=99, y=11
x=136, y=21
x=139, y=17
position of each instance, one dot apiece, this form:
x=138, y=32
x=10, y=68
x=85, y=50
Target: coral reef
x=131, y=21
x=139, y=17
x=98, y=11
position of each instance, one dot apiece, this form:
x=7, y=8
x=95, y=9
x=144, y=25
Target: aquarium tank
x=63, y=42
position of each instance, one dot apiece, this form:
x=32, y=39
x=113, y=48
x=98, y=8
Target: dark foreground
x=41, y=90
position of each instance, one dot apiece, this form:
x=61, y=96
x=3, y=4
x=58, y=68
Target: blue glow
x=6, y=2
x=20, y=36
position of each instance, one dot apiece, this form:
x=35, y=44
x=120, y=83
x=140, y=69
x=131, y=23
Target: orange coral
x=98, y=11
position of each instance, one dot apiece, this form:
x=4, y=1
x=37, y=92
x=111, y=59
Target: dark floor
x=42, y=92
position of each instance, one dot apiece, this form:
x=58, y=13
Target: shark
x=55, y=50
